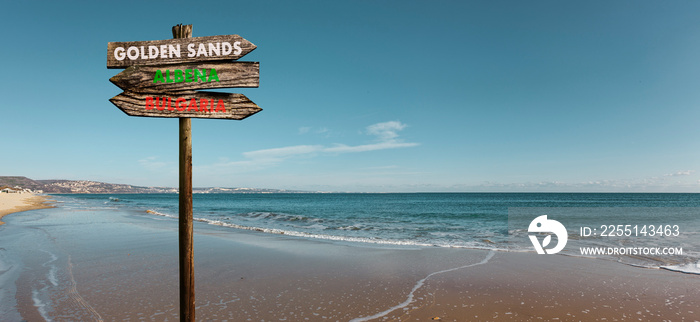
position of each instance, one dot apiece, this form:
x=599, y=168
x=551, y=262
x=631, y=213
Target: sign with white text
x=175, y=51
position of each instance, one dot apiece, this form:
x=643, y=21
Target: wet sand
x=109, y=265
x=18, y=202
x=523, y=287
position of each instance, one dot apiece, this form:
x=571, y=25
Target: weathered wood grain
x=182, y=31
x=238, y=106
x=185, y=231
x=230, y=74
x=143, y=46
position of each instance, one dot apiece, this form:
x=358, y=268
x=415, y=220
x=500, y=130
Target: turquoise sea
x=463, y=220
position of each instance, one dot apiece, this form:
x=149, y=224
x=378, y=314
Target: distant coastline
x=89, y=187
x=63, y=186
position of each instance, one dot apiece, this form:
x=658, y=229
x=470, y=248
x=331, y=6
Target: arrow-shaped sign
x=210, y=105
x=175, y=51
x=170, y=78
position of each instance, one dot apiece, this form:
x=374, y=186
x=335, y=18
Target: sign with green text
x=169, y=78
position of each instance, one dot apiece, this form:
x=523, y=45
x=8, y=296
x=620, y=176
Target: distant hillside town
x=23, y=184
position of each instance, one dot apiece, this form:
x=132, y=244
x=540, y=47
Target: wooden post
x=141, y=96
x=186, y=231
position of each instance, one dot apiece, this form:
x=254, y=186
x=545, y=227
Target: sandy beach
x=73, y=264
x=17, y=202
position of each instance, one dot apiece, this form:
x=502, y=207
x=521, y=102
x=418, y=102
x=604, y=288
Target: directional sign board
x=162, y=77
x=183, y=77
x=210, y=105
x=180, y=50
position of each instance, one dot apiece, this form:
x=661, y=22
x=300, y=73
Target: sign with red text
x=210, y=105
x=175, y=51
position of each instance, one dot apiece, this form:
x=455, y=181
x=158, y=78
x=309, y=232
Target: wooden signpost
x=160, y=81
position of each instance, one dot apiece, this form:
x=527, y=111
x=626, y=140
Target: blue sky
x=374, y=95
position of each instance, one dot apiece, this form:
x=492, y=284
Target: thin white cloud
x=342, y=148
x=283, y=152
x=663, y=183
x=386, y=137
x=680, y=173
x=386, y=134
x=151, y=163
x=386, y=131
x=385, y=167
x=321, y=130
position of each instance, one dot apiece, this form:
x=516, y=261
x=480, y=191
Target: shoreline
x=83, y=262
x=11, y=203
